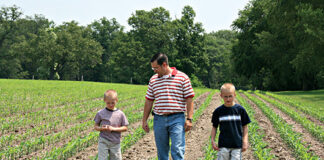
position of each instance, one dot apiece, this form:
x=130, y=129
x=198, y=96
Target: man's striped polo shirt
x=169, y=92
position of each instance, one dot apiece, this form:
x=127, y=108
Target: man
x=172, y=92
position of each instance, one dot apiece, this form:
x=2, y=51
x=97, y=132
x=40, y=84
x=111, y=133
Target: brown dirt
x=275, y=143
x=198, y=137
x=248, y=154
x=145, y=148
x=315, y=145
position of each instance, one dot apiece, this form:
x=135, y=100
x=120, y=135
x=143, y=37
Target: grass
x=314, y=99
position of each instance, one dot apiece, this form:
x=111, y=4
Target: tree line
x=281, y=44
x=257, y=53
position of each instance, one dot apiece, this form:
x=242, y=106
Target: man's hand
x=188, y=125
x=147, y=110
x=145, y=126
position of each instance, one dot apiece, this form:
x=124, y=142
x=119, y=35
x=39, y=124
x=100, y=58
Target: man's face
x=159, y=69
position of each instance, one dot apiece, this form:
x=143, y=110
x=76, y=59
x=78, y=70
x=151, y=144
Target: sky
x=213, y=14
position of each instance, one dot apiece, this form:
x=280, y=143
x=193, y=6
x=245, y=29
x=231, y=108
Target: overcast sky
x=213, y=14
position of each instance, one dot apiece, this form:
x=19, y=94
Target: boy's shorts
x=229, y=154
x=107, y=148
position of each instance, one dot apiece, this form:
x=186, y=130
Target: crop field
x=54, y=120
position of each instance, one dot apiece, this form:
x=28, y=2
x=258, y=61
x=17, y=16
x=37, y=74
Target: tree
x=219, y=50
x=10, y=66
x=108, y=33
x=279, y=44
x=189, y=43
x=152, y=31
x=76, y=51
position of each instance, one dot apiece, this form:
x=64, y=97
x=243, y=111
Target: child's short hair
x=227, y=87
x=110, y=93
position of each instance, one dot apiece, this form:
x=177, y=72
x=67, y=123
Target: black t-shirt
x=231, y=121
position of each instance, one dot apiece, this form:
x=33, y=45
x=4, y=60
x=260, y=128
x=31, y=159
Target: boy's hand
x=244, y=146
x=215, y=146
x=106, y=128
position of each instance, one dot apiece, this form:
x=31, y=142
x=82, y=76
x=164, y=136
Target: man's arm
x=147, y=110
x=190, y=107
x=245, y=138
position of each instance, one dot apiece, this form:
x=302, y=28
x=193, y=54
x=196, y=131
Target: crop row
x=255, y=137
x=202, y=107
x=132, y=114
x=301, y=106
x=256, y=134
x=315, y=130
x=285, y=130
x=35, y=143
x=200, y=110
x=139, y=133
x=72, y=115
x=21, y=97
x=47, y=114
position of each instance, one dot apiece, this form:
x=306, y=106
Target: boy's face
x=110, y=102
x=228, y=97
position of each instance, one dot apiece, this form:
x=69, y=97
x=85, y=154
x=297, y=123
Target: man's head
x=160, y=64
x=110, y=98
x=228, y=94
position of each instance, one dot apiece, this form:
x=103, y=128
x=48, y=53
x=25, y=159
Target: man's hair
x=110, y=93
x=160, y=58
x=227, y=87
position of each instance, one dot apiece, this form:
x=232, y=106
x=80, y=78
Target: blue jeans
x=166, y=128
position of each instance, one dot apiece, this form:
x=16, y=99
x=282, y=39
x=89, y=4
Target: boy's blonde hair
x=227, y=87
x=110, y=93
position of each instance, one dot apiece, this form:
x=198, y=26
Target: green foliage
x=280, y=43
x=274, y=46
x=218, y=48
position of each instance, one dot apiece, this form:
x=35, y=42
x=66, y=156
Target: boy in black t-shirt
x=232, y=120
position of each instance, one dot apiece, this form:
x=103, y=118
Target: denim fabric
x=166, y=128
x=229, y=154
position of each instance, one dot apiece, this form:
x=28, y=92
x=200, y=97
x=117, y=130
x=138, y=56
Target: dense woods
x=274, y=45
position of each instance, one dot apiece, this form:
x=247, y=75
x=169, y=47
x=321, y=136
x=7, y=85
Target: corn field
x=54, y=120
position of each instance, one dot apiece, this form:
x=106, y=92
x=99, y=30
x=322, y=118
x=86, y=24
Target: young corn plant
x=292, y=138
x=255, y=134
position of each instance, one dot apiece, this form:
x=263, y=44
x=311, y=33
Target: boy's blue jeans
x=166, y=128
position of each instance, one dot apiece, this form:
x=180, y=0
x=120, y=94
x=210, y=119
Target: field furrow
x=307, y=138
x=271, y=136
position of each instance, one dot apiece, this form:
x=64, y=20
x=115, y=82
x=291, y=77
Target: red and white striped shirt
x=170, y=92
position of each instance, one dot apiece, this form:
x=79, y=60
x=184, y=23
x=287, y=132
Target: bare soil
x=275, y=143
x=145, y=148
x=199, y=135
x=315, y=146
